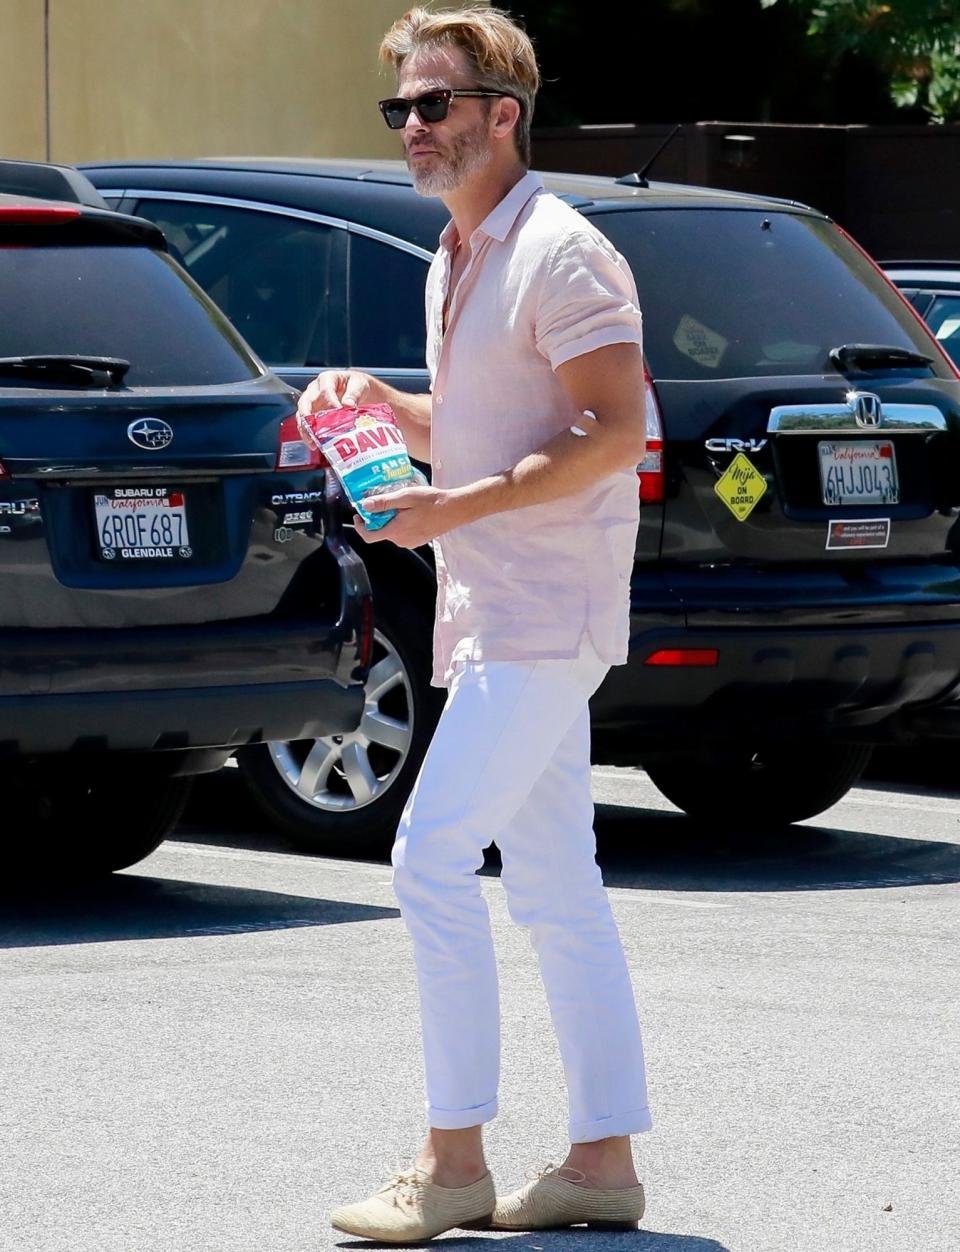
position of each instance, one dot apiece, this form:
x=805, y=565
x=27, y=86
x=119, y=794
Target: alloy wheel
x=350, y=771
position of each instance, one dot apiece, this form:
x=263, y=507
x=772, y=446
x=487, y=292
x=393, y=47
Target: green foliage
x=915, y=43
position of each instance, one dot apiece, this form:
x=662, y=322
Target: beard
x=468, y=153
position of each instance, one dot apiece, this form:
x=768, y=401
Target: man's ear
x=507, y=115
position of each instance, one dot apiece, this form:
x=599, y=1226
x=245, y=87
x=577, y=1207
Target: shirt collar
x=500, y=220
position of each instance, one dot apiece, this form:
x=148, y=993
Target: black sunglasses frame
x=398, y=105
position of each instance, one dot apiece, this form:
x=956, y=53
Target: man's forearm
x=566, y=464
x=413, y=411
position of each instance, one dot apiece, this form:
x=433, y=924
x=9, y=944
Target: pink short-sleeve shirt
x=542, y=286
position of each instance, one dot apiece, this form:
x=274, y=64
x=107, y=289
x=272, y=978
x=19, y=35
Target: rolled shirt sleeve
x=588, y=299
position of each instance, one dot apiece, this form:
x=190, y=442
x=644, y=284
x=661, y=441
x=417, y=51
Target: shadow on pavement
x=131, y=907
x=559, y=1240
x=651, y=848
x=220, y=813
x=658, y=849
x=641, y=1241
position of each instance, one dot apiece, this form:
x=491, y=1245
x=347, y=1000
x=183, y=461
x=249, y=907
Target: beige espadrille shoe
x=551, y=1202
x=410, y=1207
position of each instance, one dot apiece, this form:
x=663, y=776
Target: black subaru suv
x=174, y=580
x=796, y=592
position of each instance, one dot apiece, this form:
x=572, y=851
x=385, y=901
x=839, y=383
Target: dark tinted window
x=944, y=319
x=117, y=301
x=278, y=279
x=739, y=293
x=387, y=317
x=919, y=299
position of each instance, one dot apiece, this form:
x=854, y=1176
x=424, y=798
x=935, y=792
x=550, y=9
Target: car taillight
x=650, y=469
x=684, y=656
x=29, y=214
x=903, y=300
x=294, y=452
x=3, y=471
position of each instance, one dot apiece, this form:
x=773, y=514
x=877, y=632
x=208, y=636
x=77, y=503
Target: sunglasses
x=431, y=106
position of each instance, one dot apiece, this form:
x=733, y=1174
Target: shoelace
x=534, y=1174
x=406, y=1185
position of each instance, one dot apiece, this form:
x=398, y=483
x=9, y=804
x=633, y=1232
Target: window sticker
x=740, y=487
x=699, y=342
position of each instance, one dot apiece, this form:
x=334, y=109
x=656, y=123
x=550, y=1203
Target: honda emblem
x=866, y=408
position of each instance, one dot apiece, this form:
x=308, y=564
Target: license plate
x=142, y=524
x=862, y=471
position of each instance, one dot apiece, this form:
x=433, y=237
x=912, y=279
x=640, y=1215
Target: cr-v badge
x=734, y=445
x=150, y=433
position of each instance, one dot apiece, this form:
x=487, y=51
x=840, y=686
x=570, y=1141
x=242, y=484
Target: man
x=534, y=429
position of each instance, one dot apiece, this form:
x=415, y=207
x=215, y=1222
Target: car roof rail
x=926, y=263
x=44, y=181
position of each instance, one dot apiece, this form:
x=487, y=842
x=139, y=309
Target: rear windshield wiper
x=876, y=356
x=65, y=367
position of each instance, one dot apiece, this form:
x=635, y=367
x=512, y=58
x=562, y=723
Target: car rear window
x=735, y=293
x=943, y=318
x=118, y=301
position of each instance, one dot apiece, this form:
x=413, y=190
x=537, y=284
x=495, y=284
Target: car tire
x=358, y=783
x=772, y=786
x=84, y=822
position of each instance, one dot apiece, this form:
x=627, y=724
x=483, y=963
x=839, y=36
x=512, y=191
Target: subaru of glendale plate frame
x=858, y=471
x=142, y=524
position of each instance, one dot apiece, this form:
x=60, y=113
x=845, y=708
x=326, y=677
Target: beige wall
x=22, y=110
x=180, y=78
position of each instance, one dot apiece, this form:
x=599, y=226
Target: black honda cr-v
x=796, y=592
x=174, y=582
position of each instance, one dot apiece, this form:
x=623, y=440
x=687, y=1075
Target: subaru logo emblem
x=866, y=407
x=150, y=433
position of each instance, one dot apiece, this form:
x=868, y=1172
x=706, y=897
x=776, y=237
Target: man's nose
x=418, y=124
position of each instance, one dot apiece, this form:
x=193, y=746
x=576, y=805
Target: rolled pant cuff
x=632, y=1123
x=460, y=1119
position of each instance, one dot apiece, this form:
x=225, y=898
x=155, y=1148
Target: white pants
x=510, y=762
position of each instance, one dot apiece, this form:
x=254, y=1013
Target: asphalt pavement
x=208, y=1052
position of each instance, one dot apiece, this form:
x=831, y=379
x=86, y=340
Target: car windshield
x=943, y=317
x=735, y=293
x=117, y=301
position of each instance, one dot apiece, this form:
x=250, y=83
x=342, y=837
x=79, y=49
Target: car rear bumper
x=178, y=719
x=864, y=683
x=176, y=687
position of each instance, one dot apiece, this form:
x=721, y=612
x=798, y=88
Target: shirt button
x=438, y=398
x=439, y=464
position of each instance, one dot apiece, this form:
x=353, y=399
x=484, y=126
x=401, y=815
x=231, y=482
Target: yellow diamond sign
x=740, y=487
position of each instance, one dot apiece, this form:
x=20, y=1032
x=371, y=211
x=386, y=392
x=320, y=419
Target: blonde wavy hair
x=498, y=51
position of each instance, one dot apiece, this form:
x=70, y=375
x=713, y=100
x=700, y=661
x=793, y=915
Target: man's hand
x=342, y=389
x=423, y=513
x=335, y=389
